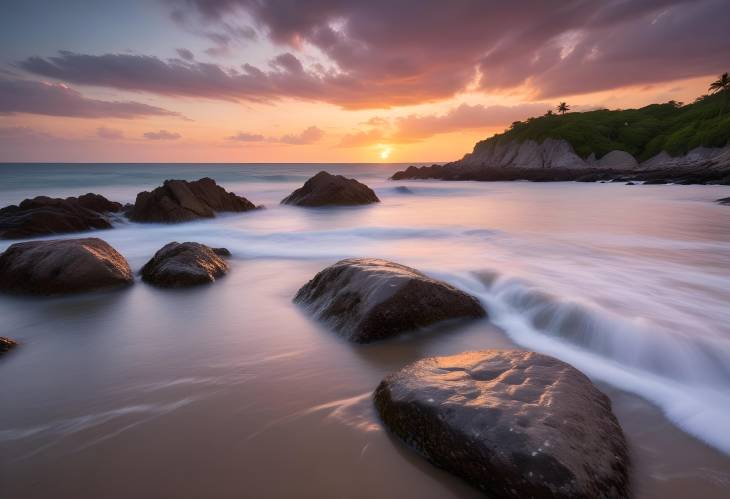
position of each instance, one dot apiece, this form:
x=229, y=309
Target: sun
x=385, y=152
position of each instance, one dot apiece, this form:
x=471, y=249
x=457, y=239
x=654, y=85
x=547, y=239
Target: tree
x=721, y=85
x=549, y=112
x=563, y=108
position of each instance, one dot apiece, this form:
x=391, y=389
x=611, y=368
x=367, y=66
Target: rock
x=181, y=201
x=43, y=215
x=6, y=344
x=725, y=201
x=402, y=189
x=221, y=251
x=617, y=160
x=325, y=189
x=62, y=266
x=515, y=424
x=368, y=299
x=630, y=183
x=184, y=264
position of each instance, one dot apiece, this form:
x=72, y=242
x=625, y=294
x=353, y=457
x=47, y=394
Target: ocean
x=231, y=390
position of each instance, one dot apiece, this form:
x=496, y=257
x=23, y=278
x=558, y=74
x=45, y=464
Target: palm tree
x=563, y=108
x=549, y=112
x=721, y=85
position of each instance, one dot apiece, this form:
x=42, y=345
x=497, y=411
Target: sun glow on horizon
x=385, y=152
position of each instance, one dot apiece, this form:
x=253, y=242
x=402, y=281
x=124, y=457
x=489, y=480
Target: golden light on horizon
x=385, y=152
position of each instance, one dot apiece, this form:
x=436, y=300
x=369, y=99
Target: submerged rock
x=515, y=424
x=182, y=201
x=43, y=215
x=185, y=264
x=62, y=266
x=6, y=344
x=725, y=201
x=325, y=189
x=368, y=299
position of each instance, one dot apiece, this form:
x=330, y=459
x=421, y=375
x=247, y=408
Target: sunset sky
x=330, y=80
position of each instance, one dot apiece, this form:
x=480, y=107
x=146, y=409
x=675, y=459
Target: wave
x=686, y=376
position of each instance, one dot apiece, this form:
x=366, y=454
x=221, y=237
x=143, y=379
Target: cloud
x=22, y=132
x=185, y=54
x=56, y=99
x=463, y=117
x=308, y=136
x=361, y=139
x=109, y=133
x=162, y=135
x=375, y=60
x=247, y=137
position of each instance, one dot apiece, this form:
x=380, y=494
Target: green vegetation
x=644, y=132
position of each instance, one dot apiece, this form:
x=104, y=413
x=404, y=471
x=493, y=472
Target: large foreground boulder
x=6, y=344
x=326, y=189
x=43, y=215
x=515, y=424
x=62, y=266
x=182, y=201
x=367, y=299
x=185, y=264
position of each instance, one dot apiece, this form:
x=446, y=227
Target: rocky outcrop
x=182, y=201
x=43, y=215
x=554, y=160
x=6, y=344
x=515, y=424
x=325, y=189
x=369, y=299
x=185, y=264
x=725, y=201
x=551, y=153
x=698, y=158
x=62, y=266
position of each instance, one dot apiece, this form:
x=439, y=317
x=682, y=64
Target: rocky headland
x=556, y=160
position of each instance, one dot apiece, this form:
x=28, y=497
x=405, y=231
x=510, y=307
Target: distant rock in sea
x=325, y=189
x=514, y=424
x=185, y=264
x=367, y=299
x=402, y=189
x=43, y=215
x=6, y=344
x=182, y=201
x=62, y=266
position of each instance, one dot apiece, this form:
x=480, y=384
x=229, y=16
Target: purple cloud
x=308, y=136
x=56, y=99
x=378, y=60
x=109, y=133
x=162, y=135
x=185, y=54
x=247, y=137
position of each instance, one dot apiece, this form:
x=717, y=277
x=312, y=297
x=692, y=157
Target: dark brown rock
x=184, y=264
x=43, y=215
x=6, y=344
x=515, y=424
x=325, y=189
x=62, y=266
x=368, y=299
x=182, y=201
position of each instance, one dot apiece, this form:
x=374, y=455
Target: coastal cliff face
x=556, y=160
